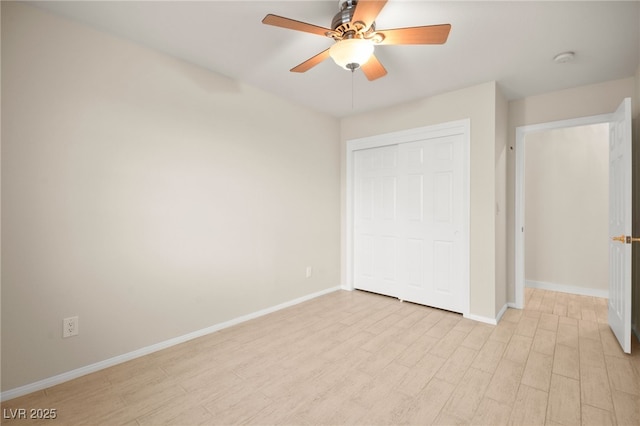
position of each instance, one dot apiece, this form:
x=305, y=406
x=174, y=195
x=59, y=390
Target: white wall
x=583, y=101
x=566, y=208
x=479, y=104
x=148, y=196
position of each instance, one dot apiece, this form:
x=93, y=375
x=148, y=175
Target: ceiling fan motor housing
x=342, y=24
x=344, y=15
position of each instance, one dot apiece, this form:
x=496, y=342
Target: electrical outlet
x=70, y=327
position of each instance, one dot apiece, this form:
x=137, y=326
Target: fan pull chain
x=352, y=72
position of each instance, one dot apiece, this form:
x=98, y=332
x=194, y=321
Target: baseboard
x=501, y=313
x=563, y=288
x=92, y=368
x=487, y=320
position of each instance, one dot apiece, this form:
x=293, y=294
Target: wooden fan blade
x=292, y=24
x=367, y=11
x=311, y=62
x=430, y=34
x=373, y=69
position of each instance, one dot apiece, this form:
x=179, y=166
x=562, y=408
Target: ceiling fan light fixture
x=351, y=53
x=354, y=31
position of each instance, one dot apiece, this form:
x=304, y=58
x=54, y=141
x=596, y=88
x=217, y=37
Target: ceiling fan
x=354, y=31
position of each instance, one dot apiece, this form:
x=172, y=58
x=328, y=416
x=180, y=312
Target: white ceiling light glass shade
x=351, y=53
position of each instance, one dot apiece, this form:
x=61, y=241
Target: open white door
x=620, y=224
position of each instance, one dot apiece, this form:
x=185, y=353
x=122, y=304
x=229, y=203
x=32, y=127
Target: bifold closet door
x=431, y=224
x=408, y=221
x=376, y=227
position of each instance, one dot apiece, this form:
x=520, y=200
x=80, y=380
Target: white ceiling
x=512, y=42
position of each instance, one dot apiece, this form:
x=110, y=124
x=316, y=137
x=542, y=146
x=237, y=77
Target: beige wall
x=479, y=104
x=150, y=197
x=566, y=208
x=502, y=114
x=583, y=101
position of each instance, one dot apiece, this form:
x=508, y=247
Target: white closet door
x=430, y=207
x=376, y=224
x=408, y=221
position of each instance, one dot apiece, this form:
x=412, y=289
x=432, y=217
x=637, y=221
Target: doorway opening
x=552, y=239
x=566, y=210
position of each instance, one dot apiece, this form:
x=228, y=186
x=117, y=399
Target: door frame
x=521, y=133
x=451, y=128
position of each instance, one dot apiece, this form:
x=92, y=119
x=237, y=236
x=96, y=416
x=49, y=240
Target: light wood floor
x=359, y=358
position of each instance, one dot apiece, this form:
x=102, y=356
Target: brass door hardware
x=626, y=239
x=619, y=238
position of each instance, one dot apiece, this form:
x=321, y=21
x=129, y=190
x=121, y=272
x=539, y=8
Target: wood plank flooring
x=359, y=358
